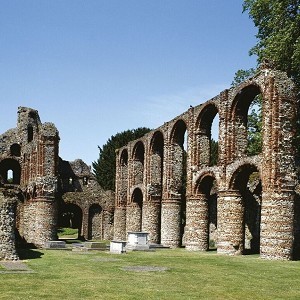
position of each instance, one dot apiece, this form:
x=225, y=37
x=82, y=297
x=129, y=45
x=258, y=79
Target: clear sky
x=98, y=67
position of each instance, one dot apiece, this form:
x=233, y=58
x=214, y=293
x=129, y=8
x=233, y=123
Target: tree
x=214, y=152
x=278, y=42
x=278, y=37
x=255, y=127
x=104, y=167
x=241, y=75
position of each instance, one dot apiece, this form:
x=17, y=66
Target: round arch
x=242, y=101
x=246, y=180
x=207, y=148
x=137, y=197
x=71, y=217
x=178, y=131
x=10, y=171
x=138, y=155
x=124, y=158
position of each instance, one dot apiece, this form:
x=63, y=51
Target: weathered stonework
x=218, y=204
x=44, y=184
x=78, y=188
x=8, y=201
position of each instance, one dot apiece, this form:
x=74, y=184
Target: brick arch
x=134, y=211
x=124, y=157
x=201, y=214
x=123, y=184
x=138, y=157
x=177, y=157
x=241, y=174
x=247, y=206
x=156, y=156
x=178, y=132
x=242, y=100
x=202, y=181
x=203, y=133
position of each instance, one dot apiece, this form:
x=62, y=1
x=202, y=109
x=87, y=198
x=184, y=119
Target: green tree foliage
x=213, y=152
x=104, y=168
x=255, y=127
x=242, y=75
x=278, y=42
x=278, y=37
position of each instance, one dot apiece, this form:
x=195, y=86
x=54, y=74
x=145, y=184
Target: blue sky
x=95, y=68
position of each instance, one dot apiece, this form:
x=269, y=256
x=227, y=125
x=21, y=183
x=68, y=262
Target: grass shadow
x=29, y=254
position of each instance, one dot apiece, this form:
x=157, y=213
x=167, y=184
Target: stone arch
x=203, y=134
x=205, y=206
x=156, y=165
x=10, y=171
x=134, y=211
x=138, y=157
x=71, y=217
x=95, y=226
x=246, y=181
x=177, y=178
x=123, y=177
x=152, y=207
x=178, y=158
x=239, y=119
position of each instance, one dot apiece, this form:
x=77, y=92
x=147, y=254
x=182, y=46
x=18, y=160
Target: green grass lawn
x=61, y=274
x=67, y=232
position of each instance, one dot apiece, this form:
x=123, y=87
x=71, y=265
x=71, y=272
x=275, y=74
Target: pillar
x=133, y=217
x=196, y=235
x=170, y=222
x=230, y=223
x=277, y=230
x=120, y=223
x=8, y=200
x=151, y=220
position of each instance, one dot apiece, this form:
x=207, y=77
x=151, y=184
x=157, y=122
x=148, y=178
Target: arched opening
x=29, y=133
x=178, y=178
x=15, y=150
x=138, y=163
x=95, y=229
x=134, y=211
x=122, y=198
x=124, y=158
x=247, y=181
x=207, y=190
x=207, y=136
x=247, y=122
x=156, y=182
x=156, y=165
x=10, y=171
x=70, y=220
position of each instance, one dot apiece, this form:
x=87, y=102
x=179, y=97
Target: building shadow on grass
x=29, y=253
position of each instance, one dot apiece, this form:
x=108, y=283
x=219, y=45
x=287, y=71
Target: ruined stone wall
x=238, y=211
x=29, y=154
x=79, y=187
x=8, y=202
x=29, y=162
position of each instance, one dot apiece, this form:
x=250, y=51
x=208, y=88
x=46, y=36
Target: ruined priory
x=243, y=204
